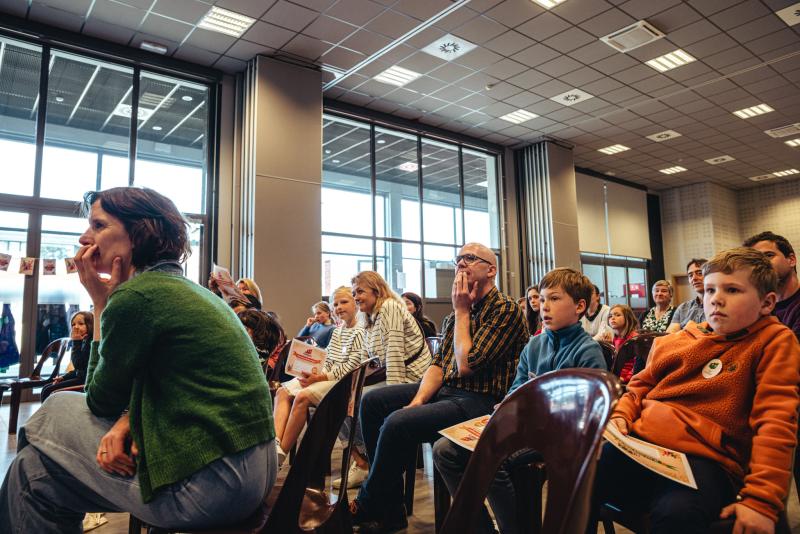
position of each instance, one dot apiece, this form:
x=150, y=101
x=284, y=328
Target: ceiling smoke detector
x=449, y=47
x=631, y=37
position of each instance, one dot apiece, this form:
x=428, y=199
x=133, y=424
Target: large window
x=621, y=280
x=402, y=204
x=71, y=123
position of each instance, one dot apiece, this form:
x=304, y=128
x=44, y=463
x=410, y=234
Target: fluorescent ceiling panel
x=224, y=21
x=754, y=111
x=519, y=116
x=397, y=76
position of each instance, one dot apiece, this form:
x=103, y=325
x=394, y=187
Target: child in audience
x=565, y=294
x=725, y=392
x=345, y=352
x=320, y=325
x=267, y=335
x=531, y=308
x=623, y=325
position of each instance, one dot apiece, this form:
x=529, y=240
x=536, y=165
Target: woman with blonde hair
x=248, y=286
x=345, y=353
x=392, y=333
x=320, y=325
x=657, y=319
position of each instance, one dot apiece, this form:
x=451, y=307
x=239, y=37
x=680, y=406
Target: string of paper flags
x=28, y=265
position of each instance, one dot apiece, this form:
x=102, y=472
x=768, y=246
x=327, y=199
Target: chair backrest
x=314, y=454
x=306, y=339
x=561, y=415
x=637, y=348
x=433, y=343
x=275, y=372
x=57, y=349
x=608, y=353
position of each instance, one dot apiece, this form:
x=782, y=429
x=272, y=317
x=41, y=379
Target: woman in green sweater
x=172, y=413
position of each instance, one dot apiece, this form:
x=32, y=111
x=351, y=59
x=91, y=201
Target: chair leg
x=441, y=499
x=608, y=526
x=134, y=525
x=16, y=397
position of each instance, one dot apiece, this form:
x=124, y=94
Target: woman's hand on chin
x=98, y=288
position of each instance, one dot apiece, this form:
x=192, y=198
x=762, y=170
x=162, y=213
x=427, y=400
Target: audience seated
x=345, y=353
x=267, y=335
x=472, y=370
x=82, y=327
x=782, y=257
x=659, y=317
x=414, y=305
x=596, y=317
x=692, y=309
x=564, y=344
x=532, y=315
x=725, y=393
x=319, y=326
x=176, y=404
x=623, y=325
x=249, y=288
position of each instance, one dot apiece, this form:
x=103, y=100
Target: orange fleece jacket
x=744, y=418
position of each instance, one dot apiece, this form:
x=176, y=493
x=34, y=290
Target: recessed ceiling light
x=663, y=136
x=571, y=97
x=336, y=161
x=228, y=22
x=547, y=4
x=381, y=141
x=59, y=99
x=484, y=183
x=449, y=47
x=519, y=116
x=613, y=149
x=670, y=61
x=397, y=76
x=672, y=170
x=719, y=159
x=156, y=48
x=611, y=173
x=157, y=128
x=787, y=172
x=793, y=142
x=754, y=111
x=408, y=166
x=327, y=150
x=187, y=98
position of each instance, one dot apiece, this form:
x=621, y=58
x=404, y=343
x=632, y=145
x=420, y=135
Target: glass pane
x=616, y=286
x=60, y=294
x=13, y=241
x=342, y=258
x=441, y=211
x=171, y=147
x=439, y=271
x=399, y=264
x=397, y=185
x=346, y=182
x=20, y=65
x=88, y=115
x=637, y=289
x=114, y=172
x=480, y=199
x=192, y=266
x=595, y=274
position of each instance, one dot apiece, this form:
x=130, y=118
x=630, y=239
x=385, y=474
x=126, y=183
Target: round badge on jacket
x=712, y=368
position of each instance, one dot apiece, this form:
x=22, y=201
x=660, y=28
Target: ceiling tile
x=230, y=65
x=118, y=14
x=392, y=24
x=615, y=63
x=366, y=42
x=356, y=12
x=425, y=85
x=456, y=18
x=643, y=9
x=523, y=100
x=77, y=7
x=544, y=26
x=694, y=32
x=502, y=90
x=529, y=78
x=268, y=35
x=18, y=8
x=582, y=76
x=512, y=13
x=196, y=55
x=577, y=12
x=479, y=30
x=478, y=59
x=341, y=58
x=602, y=86
x=450, y=72
x=289, y=16
x=505, y=69
x=551, y=88
x=190, y=11
x=607, y=22
x=509, y=43
x=592, y=52
x=306, y=47
x=208, y=40
x=780, y=39
x=536, y=55
x=559, y=66
x=165, y=28
x=329, y=29
x=569, y=40
x=739, y=14
x=246, y=7
x=757, y=28
x=56, y=17
x=421, y=9
x=634, y=74
x=107, y=31
x=245, y=50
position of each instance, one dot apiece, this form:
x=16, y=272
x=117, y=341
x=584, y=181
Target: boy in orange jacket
x=725, y=392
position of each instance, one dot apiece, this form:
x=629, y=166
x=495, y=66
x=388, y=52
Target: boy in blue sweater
x=565, y=294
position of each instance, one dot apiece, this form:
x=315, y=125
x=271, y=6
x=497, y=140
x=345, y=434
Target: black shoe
x=383, y=527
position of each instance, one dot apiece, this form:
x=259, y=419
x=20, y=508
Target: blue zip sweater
x=560, y=349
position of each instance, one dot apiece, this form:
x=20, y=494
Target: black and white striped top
x=395, y=336
x=345, y=351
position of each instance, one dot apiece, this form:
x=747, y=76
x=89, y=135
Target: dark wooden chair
x=608, y=353
x=561, y=415
x=303, y=503
x=55, y=349
x=637, y=349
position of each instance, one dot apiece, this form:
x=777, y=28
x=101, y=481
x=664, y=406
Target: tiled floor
x=420, y=523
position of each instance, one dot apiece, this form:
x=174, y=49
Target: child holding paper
x=725, y=392
x=345, y=351
x=623, y=324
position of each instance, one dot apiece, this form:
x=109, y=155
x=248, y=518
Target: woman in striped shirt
x=392, y=333
x=345, y=353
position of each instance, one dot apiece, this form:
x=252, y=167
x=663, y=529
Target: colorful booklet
x=468, y=433
x=668, y=463
x=304, y=358
x=225, y=284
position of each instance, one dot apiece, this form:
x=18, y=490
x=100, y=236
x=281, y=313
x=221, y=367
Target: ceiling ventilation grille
x=449, y=47
x=633, y=36
x=784, y=131
x=663, y=136
x=762, y=177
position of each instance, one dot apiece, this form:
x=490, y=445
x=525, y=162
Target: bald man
x=472, y=371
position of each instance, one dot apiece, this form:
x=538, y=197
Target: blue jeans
x=672, y=507
x=392, y=435
x=451, y=461
x=55, y=479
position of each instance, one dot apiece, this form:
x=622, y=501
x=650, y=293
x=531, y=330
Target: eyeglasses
x=469, y=259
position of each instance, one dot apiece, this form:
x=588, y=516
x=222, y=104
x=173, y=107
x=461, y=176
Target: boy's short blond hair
x=762, y=274
x=574, y=283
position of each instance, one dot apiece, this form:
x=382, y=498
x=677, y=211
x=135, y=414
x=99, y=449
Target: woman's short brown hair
x=156, y=228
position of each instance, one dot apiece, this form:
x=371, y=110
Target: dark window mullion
x=373, y=192
x=461, y=193
x=134, y=125
x=41, y=120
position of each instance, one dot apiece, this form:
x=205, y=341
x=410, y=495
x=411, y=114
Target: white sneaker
x=92, y=521
x=355, y=477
